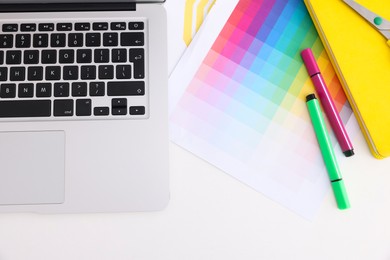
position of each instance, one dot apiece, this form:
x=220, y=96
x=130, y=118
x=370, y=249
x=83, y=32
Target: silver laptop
x=83, y=106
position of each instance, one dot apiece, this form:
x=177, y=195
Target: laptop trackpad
x=32, y=167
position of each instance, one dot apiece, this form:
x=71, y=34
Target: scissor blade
x=381, y=24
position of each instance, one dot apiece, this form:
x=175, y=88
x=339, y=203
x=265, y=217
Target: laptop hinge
x=67, y=7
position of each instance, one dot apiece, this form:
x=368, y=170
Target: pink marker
x=327, y=102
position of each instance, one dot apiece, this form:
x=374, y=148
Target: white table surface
x=213, y=216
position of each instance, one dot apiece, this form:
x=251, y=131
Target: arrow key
x=138, y=110
x=119, y=111
x=119, y=103
x=101, y=111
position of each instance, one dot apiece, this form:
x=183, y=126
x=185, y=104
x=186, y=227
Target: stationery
x=327, y=102
x=237, y=100
x=185, y=18
x=198, y=10
x=327, y=152
x=361, y=58
x=376, y=21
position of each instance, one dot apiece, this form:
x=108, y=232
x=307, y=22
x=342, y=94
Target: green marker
x=327, y=152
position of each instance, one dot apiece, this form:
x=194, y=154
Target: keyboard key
x=88, y=72
x=136, y=26
x=1, y=57
x=75, y=40
x=63, y=107
x=43, y=90
x=70, y=72
x=7, y=91
x=58, y=40
x=84, y=56
x=119, y=55
x=17, y=74
x=28, y=27
x=26, y=90
x=102, y=55
x=6, y=41
x=118, y=26
x=137, y=56
x=14, y=57
x=97, y=89
x=40, y=40
x=23, y=41
x=101, y=111
x=3, y=74
x=83, y=107
x=126, y=88
x=35, y=73
x=53, y=73
x=123, y=72
x=31, y=57
x=66, y=56
x=64, y=27
x=106, y=72
x=119, y=111
x=132, y=39
x=92, y=40
x=79, y=89
x=61, y=89
x=110, y=39
x=119, y=103
x=10, y=27
x=138, y=110
x=82, y=26
x=49, y=56
x=46, y=27
x=25, y=108
x=100, y=26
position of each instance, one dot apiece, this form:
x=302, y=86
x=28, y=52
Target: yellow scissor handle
x=388, y=42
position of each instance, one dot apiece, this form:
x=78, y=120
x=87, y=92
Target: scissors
x=380, y=24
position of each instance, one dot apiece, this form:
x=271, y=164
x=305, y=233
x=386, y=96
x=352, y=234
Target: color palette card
x=237, y=99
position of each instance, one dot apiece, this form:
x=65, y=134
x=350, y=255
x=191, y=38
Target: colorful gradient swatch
x=245, y=112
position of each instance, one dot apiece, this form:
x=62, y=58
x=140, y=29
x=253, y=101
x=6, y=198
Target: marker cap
x=310, y=62
x=341, y=194
x=349, y=153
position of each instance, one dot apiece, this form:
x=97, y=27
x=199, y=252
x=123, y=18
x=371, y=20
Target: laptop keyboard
x=73, y=70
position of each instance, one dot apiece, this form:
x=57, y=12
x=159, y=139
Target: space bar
x=25, y=108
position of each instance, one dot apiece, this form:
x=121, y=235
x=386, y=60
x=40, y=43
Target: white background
x=213, y=216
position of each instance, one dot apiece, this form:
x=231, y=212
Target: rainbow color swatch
x=244, y=111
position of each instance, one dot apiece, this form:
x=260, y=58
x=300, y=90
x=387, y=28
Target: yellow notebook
x=361, y=58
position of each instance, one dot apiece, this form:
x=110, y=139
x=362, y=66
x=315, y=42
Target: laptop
x=83, y=106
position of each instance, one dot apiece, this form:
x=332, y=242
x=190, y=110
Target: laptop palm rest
x=32, y=167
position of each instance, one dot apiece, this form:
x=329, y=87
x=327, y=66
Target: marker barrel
x=327, y=103
x=327, y=152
